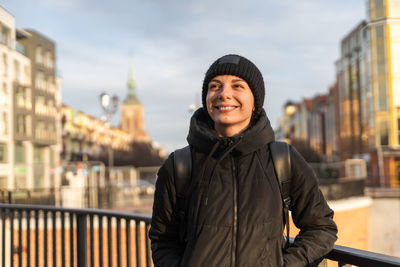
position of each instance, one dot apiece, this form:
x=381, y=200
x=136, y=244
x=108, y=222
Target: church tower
x=132, y=111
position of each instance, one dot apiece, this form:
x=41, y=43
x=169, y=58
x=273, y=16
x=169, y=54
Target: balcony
x=21, y=49
x=90, y=237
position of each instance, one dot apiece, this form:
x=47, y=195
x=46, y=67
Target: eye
x=238, y=85
x=213, y=86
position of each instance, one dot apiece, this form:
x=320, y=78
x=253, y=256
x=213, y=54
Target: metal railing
x=39, y=235
x=356, y=257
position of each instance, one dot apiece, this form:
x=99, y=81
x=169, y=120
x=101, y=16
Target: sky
x=171, y=44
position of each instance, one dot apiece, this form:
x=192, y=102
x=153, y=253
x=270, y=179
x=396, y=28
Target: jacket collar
x=203, y=137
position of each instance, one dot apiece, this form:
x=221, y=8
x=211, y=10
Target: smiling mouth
x=225, y=108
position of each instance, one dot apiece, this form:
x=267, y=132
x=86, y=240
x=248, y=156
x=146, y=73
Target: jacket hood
x=203, y=137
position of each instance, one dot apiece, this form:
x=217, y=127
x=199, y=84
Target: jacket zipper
x=235, y=208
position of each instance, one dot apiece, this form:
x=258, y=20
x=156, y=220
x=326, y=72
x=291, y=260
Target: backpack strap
x=280, y=152
x=182, y=171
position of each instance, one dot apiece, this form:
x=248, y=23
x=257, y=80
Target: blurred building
x=310, y=125
x=368, y=75
x=360, y=116
x=85, y=138
x=29, y=141
x=42, y=148
x=355, y=105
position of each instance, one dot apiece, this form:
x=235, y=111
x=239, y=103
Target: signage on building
x=20, y=170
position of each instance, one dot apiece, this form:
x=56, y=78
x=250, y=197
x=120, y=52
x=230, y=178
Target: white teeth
x=226, y=108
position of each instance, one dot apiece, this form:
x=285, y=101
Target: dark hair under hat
x=241, y=67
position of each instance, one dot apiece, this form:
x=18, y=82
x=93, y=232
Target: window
x=20, y=124
x=28, y=122
x=379, y=32
x=17, y=72
x=39, y=55
x=40, y=105
x=38, y=176
x=5, y=64
x=378, y=3
x=3, y=123
x=49, y=59
x=379, y=9
x=384, y=133
x=28, y=99
x=22, y=97
x=3, y=153
x=380, y=52
x=398, y=129
x=38, y=154
x=3, y=182
x=52, y=157
x=27, y=73
x=20, y=48
x=23, y=125
x=51, y=132
x=5, y=36
x=40, y=80
x=19, y=155
x=383, y=98
x=40, y=130
x=3, y=95
x=19, y=97
x=381, y=67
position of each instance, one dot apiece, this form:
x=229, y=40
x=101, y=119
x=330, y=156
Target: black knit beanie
x=241, y=67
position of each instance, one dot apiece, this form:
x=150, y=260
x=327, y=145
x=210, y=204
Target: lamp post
x=193, y=107
x=109, y=107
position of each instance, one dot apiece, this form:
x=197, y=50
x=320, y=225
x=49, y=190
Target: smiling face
x=230, y=104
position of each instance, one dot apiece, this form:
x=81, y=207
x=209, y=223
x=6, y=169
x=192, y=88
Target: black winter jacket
x=234, y=210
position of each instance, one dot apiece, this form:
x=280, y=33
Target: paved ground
x=144, y=206
x=385, y=226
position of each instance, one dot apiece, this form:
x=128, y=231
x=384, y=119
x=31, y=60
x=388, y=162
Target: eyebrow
x=235, y=80
x=215, y=80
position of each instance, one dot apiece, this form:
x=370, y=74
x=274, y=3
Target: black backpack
x=183, y=167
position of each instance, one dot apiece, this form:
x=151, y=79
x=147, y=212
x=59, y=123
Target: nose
x=225, y=92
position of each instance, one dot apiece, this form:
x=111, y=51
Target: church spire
x=132, y=97
x=131, y=79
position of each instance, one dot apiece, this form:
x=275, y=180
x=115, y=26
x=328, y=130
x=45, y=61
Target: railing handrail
x=98, y=212
x=360, y=257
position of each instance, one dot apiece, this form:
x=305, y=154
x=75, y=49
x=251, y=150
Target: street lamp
x=193, y=107
x=109, y=107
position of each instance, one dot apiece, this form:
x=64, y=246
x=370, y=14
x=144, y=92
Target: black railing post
x=91, y=240
x=138, y=244
x=3, y=234
x=148, y=246
x=82, y=240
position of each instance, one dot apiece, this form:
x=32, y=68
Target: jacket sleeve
x=311, y=214
x=167, y=250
